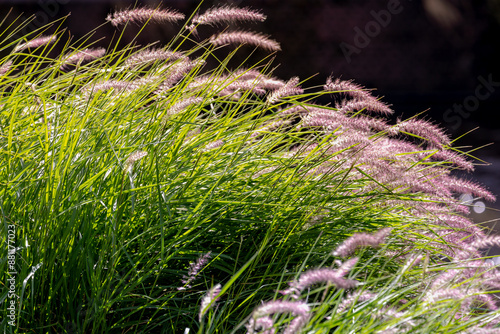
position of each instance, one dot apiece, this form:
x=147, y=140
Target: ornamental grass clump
x=152, y=192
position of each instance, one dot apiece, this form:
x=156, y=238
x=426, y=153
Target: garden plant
x=172, y=189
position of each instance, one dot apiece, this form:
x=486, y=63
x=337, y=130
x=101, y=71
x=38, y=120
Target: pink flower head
x=353, y=298
x=141, y=15
x=271, y=83
x=210, y=298
x=132, y=159
x=151, y=55
x=5, y=67
x=487, y=241
x=108, y=85
x=371, y=104
x=361, y=240
x=35, y=43
x=82, y=56
x=213, y=145
x=290, y=88
x=194, y=269
x=322, y=275
x=447, y=155
x=227, y=14
x=347, y=87
x=425, y=130
x=184, y=104
x=299, y=309
x=175, y=73
x=262, y=325
x=246, y=74
x=463, y=186
x=245, y=37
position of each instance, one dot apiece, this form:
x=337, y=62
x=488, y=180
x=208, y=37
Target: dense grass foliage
x=150, y=193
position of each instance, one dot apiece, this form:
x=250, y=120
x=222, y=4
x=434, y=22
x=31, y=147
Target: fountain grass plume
x=225, y=14
x=142, y=15
x=245, y=37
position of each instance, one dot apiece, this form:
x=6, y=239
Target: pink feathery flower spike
x=184, y=104
x=424, y=129
x=177, y=72
x=262, y=325
x=34, y=43
x=5, y=67
x=194, y=269
x=271, y=83
x=245, y=37
x=289, y=89
x=279, y=306
x=486, y=242
x=210, y=298
x=454, y=158
x=357, y=240
x=348, y=87
x=142, y=15
x=297, y=324
x=297, y=308
x=132, y=159
x=322, y=275
x=463, y=186
x=110, y=84
x=371, y=104
x=227, y=14
x=151, y=55
x=82, y=56
x=213, y=145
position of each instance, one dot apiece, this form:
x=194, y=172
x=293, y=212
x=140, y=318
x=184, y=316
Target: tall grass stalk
x=123, y=167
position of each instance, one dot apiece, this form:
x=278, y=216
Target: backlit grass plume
x=124, y=169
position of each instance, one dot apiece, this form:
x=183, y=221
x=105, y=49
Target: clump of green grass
x=150, y=192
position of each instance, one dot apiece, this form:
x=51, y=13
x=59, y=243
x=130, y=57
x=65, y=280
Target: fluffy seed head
x=290, y=88
x=82, y=56
x=371, y=104
x=194, y=269
x=425, y=130
x=34, y=43
x=262, y=325
x=213, y=145
x=5, y=67
x=210, y=298
x=182, y=105
x=142, y=15
x=227, y=14
x=151, y=55
x=322, y=275
x=361, y=240
x=280, y=306
x=136, y=156
x=245, y=37
x=347, y=87
x=109, y=84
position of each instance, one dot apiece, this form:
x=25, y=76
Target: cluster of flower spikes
x=261, y=320
x=411, y=157
x=454, y=285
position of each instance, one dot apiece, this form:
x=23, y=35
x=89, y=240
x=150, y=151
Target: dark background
x=431, y=55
